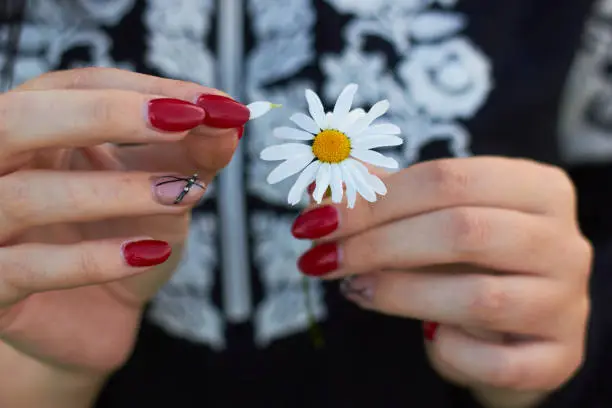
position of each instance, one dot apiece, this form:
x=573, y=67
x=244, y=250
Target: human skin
x=489, y=249
x=86, y=231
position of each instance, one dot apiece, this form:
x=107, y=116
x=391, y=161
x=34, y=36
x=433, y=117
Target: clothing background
x=522, y=79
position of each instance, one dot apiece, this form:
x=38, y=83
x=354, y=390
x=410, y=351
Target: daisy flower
x=336, y=144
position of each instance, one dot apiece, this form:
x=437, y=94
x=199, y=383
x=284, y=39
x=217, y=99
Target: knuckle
x=104, y=111
x=468, y=230
x=488, y=303
x=448, y=179
x=89, y=265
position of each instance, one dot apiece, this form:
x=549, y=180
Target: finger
x=208, y=148
x=520, y=366
x=478, y=181
x=31, y=268
x=85, y=118
x=492, y=238
x=206, y=152
x=112, y=78
x=459, y=295
x=34, y=198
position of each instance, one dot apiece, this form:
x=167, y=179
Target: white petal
x=363, y=187
x=376, y=183
x=329, y=117
x=352, y=117
x=379, y=109
x=351, y=190
x=337, y=188
x=289, y=168
x=305, y=122
x=344, y=103
x=315, y=107
x=259, y=109
x=302, y=182
x=284, y=151
x=375, y=141
x=375, y=158
x=292, y=134
x=323, y=179
x=383, y=129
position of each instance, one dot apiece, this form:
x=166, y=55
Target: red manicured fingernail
x=147, y=252
x=429, y=330
x=174, y=115
x=320, y=260
x=316, y=223
x=240, y=132
x=223, y=112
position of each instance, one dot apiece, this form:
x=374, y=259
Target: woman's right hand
x=82, y=223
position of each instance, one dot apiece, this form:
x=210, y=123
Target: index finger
x=113, y=78
x=510, y=184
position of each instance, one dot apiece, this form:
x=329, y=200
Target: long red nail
x=429, y=330
x=240, y=132
x=148, y=252
x=223, y=112
x=316, y=223
x=320, y=260
x=174, y=115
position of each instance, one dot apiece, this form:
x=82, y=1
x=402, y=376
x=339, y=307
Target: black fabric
x=369, y=359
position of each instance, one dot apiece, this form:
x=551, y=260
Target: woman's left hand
x=489, y=249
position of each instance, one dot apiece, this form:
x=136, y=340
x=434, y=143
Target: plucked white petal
x=305, y=122
x=343, y=105
x=289, y=168
x=383, y=129
x=284, y=151
x=258, y=109
x=375, y=158
x=301, y=184
x=363, y=187
x=337, y=188
x=379, y=109
x=315, y=107
x=323, y=179
x=289, y=133
x=351, y=190
x=376, y=183
x=375, y=141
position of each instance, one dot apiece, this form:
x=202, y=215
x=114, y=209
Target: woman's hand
x=83, y=222
x=489, y=249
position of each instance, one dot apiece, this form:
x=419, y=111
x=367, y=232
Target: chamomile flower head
x=330, y=149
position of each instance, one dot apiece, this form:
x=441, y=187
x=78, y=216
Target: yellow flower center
x=331, y=146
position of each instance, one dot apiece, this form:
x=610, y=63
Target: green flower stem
x=316, y=335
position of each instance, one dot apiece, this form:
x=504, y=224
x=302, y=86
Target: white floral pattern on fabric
x=586, y=109
x=183, y=307
x=177, y=40
x=442, y=77
x=283, y=310
x=53, y=27
x=340, y=141
x=284, y=45
x=448, y=80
